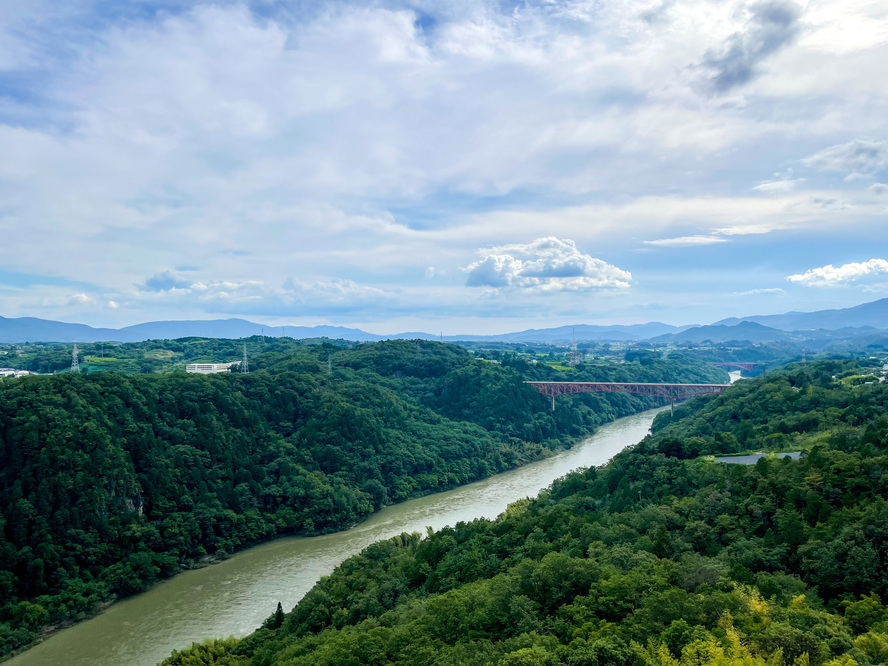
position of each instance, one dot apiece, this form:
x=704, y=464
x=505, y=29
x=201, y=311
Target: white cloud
x=830, y=275
x=546, y=264
x=684, y=241
x=779, y=186
x=857, y=157
x=332, y=291
x=751, y=229
x=64, y=300
x=81, y=299
x=255, y=296
x=165, y=281
x=772, y=291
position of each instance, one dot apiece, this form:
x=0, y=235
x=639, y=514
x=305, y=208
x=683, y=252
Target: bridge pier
x=553, y=402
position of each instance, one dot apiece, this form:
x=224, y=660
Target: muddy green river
x=234, y=597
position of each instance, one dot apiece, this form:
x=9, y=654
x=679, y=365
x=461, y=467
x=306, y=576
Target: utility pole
x=75, y=361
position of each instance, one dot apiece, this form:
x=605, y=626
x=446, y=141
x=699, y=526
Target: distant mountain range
x=873, y=314
x=865, y=319
x=29, y=329
x=583, y=332
x=749, y=331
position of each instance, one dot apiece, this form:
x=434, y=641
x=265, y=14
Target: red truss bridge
x=670, y=392
x=737, y=364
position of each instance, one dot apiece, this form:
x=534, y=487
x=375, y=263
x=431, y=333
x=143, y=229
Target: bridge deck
x=620, y=384
x=668, y=391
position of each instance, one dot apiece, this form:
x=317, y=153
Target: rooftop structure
x=208, y=368
x=11, y=372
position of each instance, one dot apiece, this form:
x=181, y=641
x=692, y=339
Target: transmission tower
x=574, y=352
x=245, y=364
x=75, y=361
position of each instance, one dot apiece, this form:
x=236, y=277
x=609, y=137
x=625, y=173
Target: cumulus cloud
x=859, y=156
x=546, y=264
x=830, y=275
x=772, y=25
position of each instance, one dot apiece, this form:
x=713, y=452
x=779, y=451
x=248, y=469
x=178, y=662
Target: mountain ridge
x=873, y=314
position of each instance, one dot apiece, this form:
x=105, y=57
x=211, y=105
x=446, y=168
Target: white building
x=10, y=372
x=208, y=368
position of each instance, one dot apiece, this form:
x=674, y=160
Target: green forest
x=663, y=557
x=133, y=358
x=110, y=482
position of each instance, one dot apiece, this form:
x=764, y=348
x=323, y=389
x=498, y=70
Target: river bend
x=234, y=597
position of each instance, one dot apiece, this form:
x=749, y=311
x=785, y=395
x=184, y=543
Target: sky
x=448, y=166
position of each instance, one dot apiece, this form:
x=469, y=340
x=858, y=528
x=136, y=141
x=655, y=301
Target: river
x=234, y=597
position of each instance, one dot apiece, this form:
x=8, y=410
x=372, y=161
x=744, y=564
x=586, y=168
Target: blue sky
x=455, y=166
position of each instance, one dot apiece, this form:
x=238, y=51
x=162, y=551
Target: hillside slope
x=110, y=482
x=658, y=558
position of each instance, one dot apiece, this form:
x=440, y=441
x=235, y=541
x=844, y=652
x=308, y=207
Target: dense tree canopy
x=111, y=482
x=663, y=557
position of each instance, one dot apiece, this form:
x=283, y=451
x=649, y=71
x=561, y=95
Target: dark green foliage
x=657, y=558
x=109, y=482
x=276, y=619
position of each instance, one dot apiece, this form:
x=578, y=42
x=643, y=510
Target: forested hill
x=110, y=482
x=659, y=558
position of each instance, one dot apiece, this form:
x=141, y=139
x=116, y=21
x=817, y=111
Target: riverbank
x=236, y=595
x=542, y=452
x=218, y=558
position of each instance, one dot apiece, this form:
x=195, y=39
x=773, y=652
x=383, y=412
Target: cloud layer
x=857, y=156
x=314, y=160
